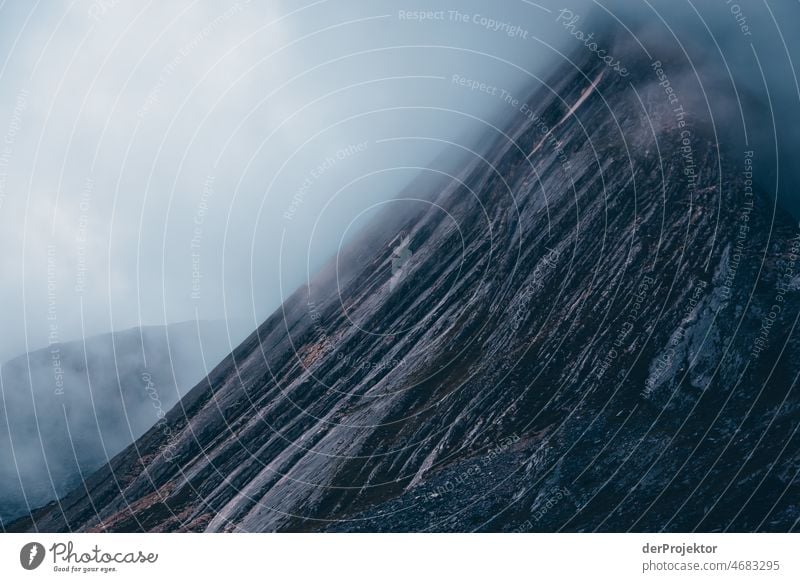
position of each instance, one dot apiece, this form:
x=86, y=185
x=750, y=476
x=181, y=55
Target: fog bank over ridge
x=206, y=166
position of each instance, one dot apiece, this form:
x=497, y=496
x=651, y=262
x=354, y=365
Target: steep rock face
x=573, y=336
x=66, y=410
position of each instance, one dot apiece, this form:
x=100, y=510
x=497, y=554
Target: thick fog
x=740, y=63
x=168, y=161
x=66, y=411
x=162, y=162
x=165, y=162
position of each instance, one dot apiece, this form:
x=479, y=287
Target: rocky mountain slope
x=592, y=329
x=66, y=410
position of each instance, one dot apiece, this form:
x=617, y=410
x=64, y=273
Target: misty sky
x=164, y=161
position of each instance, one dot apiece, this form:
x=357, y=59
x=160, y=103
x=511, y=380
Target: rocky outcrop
x=582, y=336
x=68, y=409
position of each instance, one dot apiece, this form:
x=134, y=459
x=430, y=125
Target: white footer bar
x=410, y=558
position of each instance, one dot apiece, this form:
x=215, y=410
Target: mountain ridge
x=564, y=324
